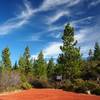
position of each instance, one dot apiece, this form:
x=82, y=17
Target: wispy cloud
x=86, y=20
x=90, y=34
x=87, y=37
x=94, y=3
x=35, y=38
x=75, y=23
x=57, y=16
x=50, y=4
x=55, y=28
x=56, y=35
x=79, y=34
x=18, y=21
x=53, y=4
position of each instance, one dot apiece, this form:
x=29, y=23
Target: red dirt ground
x=47, y=94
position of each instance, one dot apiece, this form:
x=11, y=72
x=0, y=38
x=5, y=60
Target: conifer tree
x=97, y=51
x=15, y=66
x=50, y=68
x=24, y=63
x=26, y=57
x=41, y=67
x=6, y=58
x=21, y=64
x=70, y=59
x=90, y=55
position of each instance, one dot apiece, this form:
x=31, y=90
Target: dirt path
x=47, y=94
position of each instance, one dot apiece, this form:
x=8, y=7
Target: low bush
x=40, y=84
x=96, y=91
x=91, y=85
x=77, y=82
x=26, y=85
x=84, y=86
x=67, y=86
x=9, y=81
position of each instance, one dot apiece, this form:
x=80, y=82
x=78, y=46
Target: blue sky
x=40, y=23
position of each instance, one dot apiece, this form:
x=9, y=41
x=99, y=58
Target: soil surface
x=46, y=94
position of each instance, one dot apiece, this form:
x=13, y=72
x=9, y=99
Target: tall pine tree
x=70, y=59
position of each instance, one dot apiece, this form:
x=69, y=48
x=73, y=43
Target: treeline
x=70, y=73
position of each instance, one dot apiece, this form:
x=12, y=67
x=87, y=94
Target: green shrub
x=78, y=82
x=23, y=78
x=91, y=85
x=26, y=85
x=83, y=86
x=40, y=84
x=96, y=91
x=66, y=85
x=79, y=89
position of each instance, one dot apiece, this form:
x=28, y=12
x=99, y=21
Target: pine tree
x=35, y=68
x=21, y=64
x=25, y=65
x=50, y=68
x=70, y=59
x=26, y=57
x=97, y=60
x=97, y=51
x=41, y=67
x=15, y=66
x=90, y=55
x=6, y=58
x=0, y=67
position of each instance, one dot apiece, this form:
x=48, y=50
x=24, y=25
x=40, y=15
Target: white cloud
x=94, y=3
x=54, y=28
x=57, y=16
x=52, y=50
x=73, y=2
x=23, y=18
x=85, y=49
x=55, y=35
x=86, y=20
x=80, y=37
x=87, y=38
x=50, y=4
x=18, y=21
x=35, y=38
x=27, y=12
x=90, y=34
x=34, y=56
